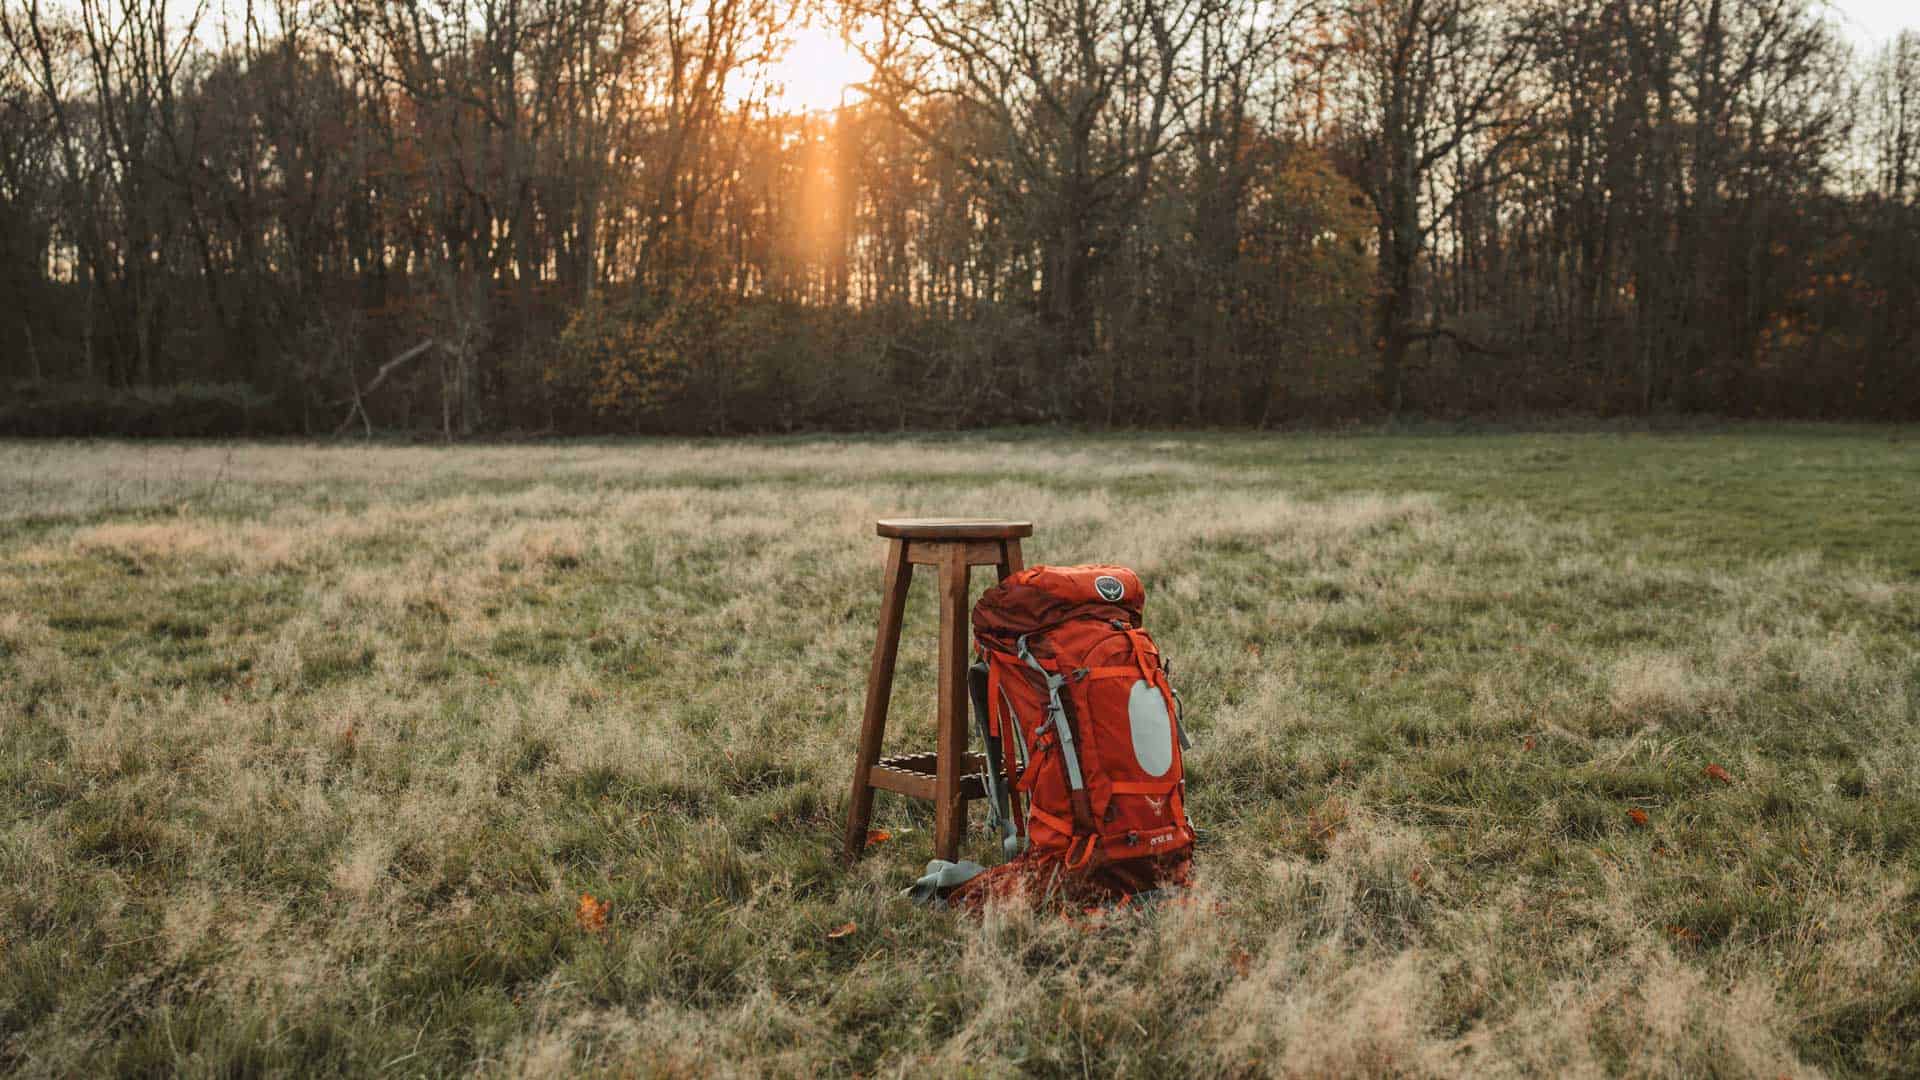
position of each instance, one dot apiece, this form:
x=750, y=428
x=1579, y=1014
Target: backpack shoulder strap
x=1060, y=718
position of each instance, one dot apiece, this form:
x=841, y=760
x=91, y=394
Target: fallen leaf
x=1638, y=815
x=878, y=836
x=1720, y=774
x=841, y=931
x=592, y=914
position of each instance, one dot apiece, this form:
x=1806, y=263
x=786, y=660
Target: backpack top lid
x=1041, y=597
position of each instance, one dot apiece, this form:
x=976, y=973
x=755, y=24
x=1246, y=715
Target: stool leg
x=873, y=725
x=949, y=808
x=1010, y=560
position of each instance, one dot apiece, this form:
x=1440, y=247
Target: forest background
x=472, y=217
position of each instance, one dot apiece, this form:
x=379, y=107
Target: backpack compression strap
x=1061, y=721
x=1155, y=676
x=999, y=803
x=1005, y=726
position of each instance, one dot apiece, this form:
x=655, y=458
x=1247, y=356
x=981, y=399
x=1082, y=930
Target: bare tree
x=1437, y=108
x=1890, y=118
x=1065, y=107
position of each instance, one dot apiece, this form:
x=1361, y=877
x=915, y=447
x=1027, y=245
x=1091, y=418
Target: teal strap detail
x=1057, y=717
x=999, y=806
x=941, y=878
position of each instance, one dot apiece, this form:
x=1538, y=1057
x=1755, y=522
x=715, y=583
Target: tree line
x=469, y=216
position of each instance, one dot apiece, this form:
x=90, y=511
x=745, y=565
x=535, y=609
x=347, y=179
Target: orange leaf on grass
x=878, y=836
x=841, y=931
x=1720, y=774
x=591, y=914
x=1638, y=815
x=1242, y=962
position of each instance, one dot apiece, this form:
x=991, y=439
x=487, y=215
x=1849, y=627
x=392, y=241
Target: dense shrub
x=190, y=410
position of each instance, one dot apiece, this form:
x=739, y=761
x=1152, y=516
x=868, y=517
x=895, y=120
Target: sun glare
x=816, y=72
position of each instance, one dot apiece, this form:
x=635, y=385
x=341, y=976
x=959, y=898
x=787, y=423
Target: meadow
x=1577, y=753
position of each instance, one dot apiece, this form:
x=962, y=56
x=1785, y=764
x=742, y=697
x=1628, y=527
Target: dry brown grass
x=309, y=754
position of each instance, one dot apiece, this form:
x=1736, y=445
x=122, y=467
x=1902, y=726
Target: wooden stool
x=949, y=775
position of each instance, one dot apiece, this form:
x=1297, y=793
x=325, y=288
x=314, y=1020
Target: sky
x=817, y=68
x=1872, y=23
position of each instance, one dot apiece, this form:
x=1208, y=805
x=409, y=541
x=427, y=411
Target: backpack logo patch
x=1109, y=588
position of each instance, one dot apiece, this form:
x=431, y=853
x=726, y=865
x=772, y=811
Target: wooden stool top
x=952, y=529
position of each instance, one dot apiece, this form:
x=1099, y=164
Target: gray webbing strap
x=942, y=877
x=1020, y=738
x=1180, y=720
x=1009, y=716
x=1057, y=716
x=999, y=808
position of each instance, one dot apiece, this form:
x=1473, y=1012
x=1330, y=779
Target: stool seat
x=952, y=529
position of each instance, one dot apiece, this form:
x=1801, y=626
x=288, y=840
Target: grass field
x=308, y=754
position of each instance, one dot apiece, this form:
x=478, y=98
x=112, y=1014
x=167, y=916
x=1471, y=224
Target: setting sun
x=816, y=71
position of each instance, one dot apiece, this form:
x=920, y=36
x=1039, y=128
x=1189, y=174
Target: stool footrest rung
x=917, y=775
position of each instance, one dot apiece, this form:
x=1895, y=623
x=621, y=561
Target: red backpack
x=1075, y=707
